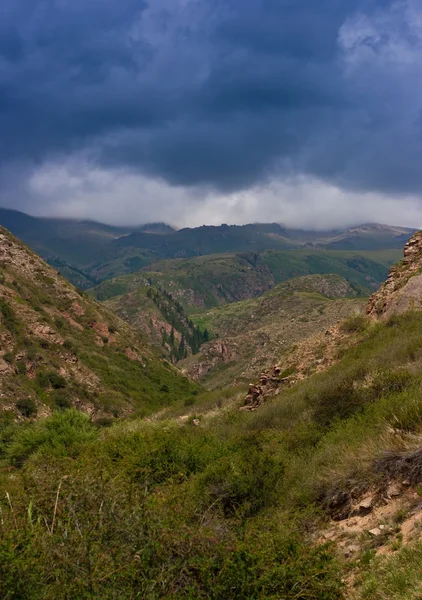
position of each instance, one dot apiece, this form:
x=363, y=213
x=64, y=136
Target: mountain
x=129, y=253
x=103, y=251
x=213, y=280
x=250, y=334
x=157, y=315
x=292, y=487
x=59, y=348
x=166, y=299
x=75, y=242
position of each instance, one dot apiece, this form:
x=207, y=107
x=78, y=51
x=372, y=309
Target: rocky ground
x=403, y=289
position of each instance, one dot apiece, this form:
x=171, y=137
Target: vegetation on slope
x=157, y=314
x=59, y=348
x=103, y=251
x=231, y=508
x=210, y=281
x=251, y=334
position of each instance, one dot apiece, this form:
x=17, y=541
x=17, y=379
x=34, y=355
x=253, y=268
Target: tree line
x=191, y=335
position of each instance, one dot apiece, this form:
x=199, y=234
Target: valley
x=132, y=459
x=210, y=300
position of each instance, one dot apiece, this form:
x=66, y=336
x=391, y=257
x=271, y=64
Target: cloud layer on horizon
x=212, y=109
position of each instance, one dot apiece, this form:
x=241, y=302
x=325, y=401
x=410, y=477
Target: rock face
x=268, y=385
x=403, y=289
x=214, y=353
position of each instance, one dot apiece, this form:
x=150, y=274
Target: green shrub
x=69, y=345
x=9, y=357
x=27, y=407
x=59, y=322
x=245, y=479
x=46, y=379
x=61, y=399
x=9, y=318
x=63, y=434
x=21, y=367
x=335, y=396
x=355, y=323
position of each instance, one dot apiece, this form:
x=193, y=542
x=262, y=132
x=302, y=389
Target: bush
x=63, y=434
x=59, y=322
x=356, y=323
x=27, y=407
x=21, y=367
x=10, y=320
x=245, y=479
x=336, y=396
x=69, y=345
x=46, y=379
x=61, y=399
x=9, y=357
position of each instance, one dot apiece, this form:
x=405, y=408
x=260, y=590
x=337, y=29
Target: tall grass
x=226, y=509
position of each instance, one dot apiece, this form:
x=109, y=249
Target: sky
x=207, y=111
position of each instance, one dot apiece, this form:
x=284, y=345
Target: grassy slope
x=263, y=330
x=210, y=281
x=256, y=330
x=206, y=240
x=59, y=347
x=107, y=251
x=227, y=510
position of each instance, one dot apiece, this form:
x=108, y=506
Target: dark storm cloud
x=224, y=93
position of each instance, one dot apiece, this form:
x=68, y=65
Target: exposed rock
x=214, y=352
x=393, y=490
x=269, y=383
x=366, y=503
x=39, y=336
x=5, y=367
x=403, y=288
x=45, y=332
x=130, y=353
x=100, y=328
x=352, y=549
x=77, y=309
x=376, y=531
x=72, y=321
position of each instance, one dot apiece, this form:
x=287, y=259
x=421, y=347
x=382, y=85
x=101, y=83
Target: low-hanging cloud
x=190, y=110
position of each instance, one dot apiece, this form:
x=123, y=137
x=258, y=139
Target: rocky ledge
x=403, y=288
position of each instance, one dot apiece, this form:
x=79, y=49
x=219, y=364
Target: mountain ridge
x=103, y=251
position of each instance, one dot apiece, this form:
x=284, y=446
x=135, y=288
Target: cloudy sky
x=207, y=111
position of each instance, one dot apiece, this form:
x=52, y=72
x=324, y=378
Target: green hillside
x=236, y=507
x=249, y=335
x=159, y=316
x=59, y=348
x=102, y=251
x=213, y=280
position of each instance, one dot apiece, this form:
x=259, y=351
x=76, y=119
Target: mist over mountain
x=210, y=300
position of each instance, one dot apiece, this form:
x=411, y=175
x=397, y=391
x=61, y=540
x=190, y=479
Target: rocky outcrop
x=268, y=385
x=403, y=289
x=214, y=353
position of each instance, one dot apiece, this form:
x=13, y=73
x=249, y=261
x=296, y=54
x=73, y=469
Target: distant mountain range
x=88, y=252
